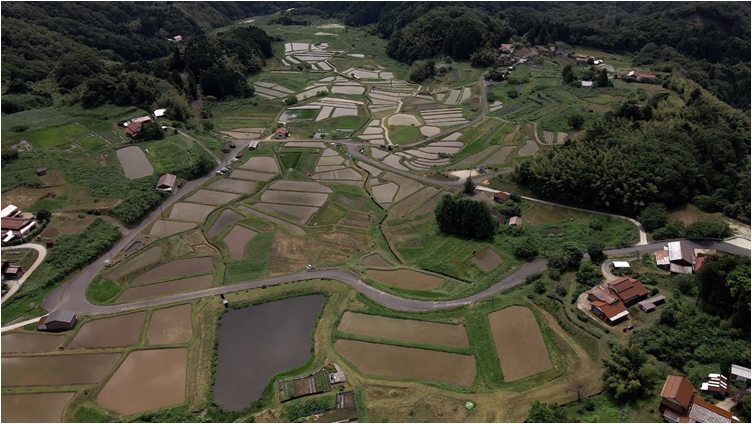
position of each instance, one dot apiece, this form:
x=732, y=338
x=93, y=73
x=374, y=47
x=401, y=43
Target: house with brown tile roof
x=629, y=290
x=680, y=404
x=167, y=182
x=133, y=129
x=678, y=394
x=705, y=412
x=501, y=197
x=610, y=313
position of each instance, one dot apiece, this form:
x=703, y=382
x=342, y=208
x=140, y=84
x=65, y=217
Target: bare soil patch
x=211, y=197
x=66, y=225
x=237, y=239
x=122, y=330
x=487, y=259
x=35, y=408
x=306, y=186
x=170, y=325
x=405, y=362
x=233, y=186
x=134, y=162
x=261, y=164
x=429, y=206
x=252, y=175
x=148, y=379
x=376, y=260
x=529, y=148
x=190, y=212
x=177, y=268
x=139, y=262
x=295, y=213
x=500, y=156
x=292, y=227
x=227, y=217
x=519, y=343
x=406, y=278
x=294, y=198
x=512, y=136
x=57, y=370
x=686, y=215
x=540, y=215
x=162, y=228
x=404, y=329
x=28, y=342
x=167, y=288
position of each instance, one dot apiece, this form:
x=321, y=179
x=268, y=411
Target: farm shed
x=515, y=221
x=253, y=145
x=705, y=412
x=19, y=227
x=740, y=373
x=610, y=313
x=661, y=259
x=699, y=262
x=146, y=119
x=13, y=272
x=160, y=113
x=680, y=253
x=621, y=264
x=717, y=385
x=650, y=304
x=501, y=197
x=167, y=182
x=677, y=396
x=41, y=171
x=281, y=133
x=61, y=320
x=586, y=83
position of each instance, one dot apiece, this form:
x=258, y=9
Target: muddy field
x=405, y=362
x=384, y=193
x=211, y=197
x=528, y=149
x=252, y=175
x=429, y=206
x=237, y=239
x=122, y=330
x=190, y=212
x=164, y=289
x=541, y=215
x=261, y=164
x=134, y=161
x=377, y=260
x=233, y=186
x=306, y=186
x=406, y=278
x=29, y=342
x=519, y=343
x=136, y=263
x=170, y=325
x=404, y=329
x=57, y=370
x=411, y=203
x=177, y=268
x=65, y=225
x=147, y=379
x=686, y=215
x=294, y=198
x=35, y=408
x=227, y=217
x=300, y=214
x=487, y=259
x=162, y=228
x=292, y=227
x=500, y=156
x=249, y=356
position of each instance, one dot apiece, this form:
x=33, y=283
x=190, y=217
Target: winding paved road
x=72, y=295
x=15, y=285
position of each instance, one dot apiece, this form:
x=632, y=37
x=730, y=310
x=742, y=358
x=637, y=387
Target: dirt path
x=15, y=285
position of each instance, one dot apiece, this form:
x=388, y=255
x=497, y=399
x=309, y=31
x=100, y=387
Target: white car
x=310, y=267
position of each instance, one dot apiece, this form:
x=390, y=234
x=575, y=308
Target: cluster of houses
x=502, y=197
x=14, y=224
x=133, y=126
x=678, y=258
x=680, y=402
x=610, y=301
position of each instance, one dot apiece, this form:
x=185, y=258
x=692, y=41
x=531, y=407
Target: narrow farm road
x=15, y=285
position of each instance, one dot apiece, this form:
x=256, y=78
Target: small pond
x=257, y=342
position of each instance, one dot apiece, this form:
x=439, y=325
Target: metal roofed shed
x=740, y=373
x=160, y=113
x=60, y=320
x=649, y=305
x=680, y=253
x=621, y=264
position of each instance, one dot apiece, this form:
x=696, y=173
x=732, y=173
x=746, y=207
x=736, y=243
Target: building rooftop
x=627, y=288
x=62, y=315
x=661, y=258
x=679, y=389
x=705, y=412
x=741, y=371
x=603, y=294
x=166, y=181
x=679, y=251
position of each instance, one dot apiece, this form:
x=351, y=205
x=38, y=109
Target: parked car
x=233, y=145
x=219, y=171
x=239, y=155
x=310, y=267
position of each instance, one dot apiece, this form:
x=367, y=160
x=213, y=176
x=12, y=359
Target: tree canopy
x=465, y=217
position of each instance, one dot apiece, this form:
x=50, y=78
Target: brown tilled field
x=487, y=259
x=211, y=197
x=406, y=278
x=541, y=215
x=147, y=379
x=35, y=408
x=237, y=239
x=405, y=362
x=134, y=162
x=300, y=214
x=136, y=263
x=29, y=342
x=190, y=212
x=227, y=217
x=512, y=136
x=233, y=186
x=177, y=268
x=122, y=330
x=519, y=343
x=162, y=228
x=376, y=260
x=404, y=329
x=261, y=164
x=167, y=288
x=57, y=370
x=170, y=325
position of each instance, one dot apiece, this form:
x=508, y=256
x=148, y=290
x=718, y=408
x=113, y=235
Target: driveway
x=14, y=285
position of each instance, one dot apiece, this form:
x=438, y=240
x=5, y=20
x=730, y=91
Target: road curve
x=42, y=254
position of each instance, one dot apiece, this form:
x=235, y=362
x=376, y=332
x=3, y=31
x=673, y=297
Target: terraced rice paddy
x=136, y=263
x=170, y=326
x=134, y=162
x=385, y=101
x=477, y=158
x=405, y=362
x=56, y=370
x=376, y=260
x=429, y=206
x=549, y=136
x=293, y=228
x=519, y=343
x=429, y=131
x=384, y=193
x=403, y=119
x=413, y=202
x=304, y=186
x=561, y=137
x=370, y=169
x=252, y=175
x=147, y=380
x=163, y=289
x=177, y=268
x=443, y=117
x=227, y=217
x=528, y=149
x=394, y=162
x=500, y=156
x=261, y=164
x=374, y=133
x=233, y=186
x=244, y=133
x=237, y=239
x=406, y=278
x=327, y=107
x=163, y=228
x=121, y=330
x=30, y=343
x=316, y=55
x=271, y=90
x=35, y=408
x=294, y=198
x=211, y=197
x=487, y=259
x=190, y=212
x=404, y=329
x=299, y=214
